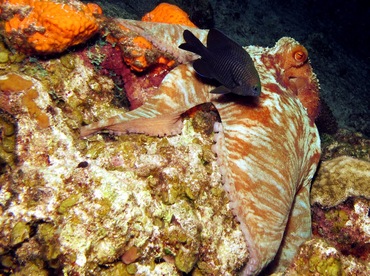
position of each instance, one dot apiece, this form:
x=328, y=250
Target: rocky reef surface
x=135, y=203
x=340, y=220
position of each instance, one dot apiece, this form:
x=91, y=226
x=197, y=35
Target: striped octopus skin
x=267, y=150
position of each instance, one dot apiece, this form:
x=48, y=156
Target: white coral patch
x=362, y=210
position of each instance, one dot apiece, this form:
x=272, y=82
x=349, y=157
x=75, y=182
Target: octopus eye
x=300, y=56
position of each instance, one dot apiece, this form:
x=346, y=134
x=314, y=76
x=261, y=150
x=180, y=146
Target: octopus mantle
x=267, y=150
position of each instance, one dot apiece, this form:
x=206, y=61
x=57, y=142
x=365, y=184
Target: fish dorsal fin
x=218, y=41
x=192, y=43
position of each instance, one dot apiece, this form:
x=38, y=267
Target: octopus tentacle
x=169, y=40
x=269, y=156
x=160, y=115
x=264, y=163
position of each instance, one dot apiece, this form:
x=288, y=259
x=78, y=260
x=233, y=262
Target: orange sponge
x=34, y=111
x=167, y=13
x=47, y=26
x=17, y=92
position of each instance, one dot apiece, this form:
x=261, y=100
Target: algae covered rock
x=77, y=206
x=340, y=199
x=317, y=257
x=345, y=142
x=345, y=226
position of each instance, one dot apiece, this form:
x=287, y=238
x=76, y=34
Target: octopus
x=267, y=149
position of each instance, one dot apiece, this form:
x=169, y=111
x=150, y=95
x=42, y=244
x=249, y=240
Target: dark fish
x=225, y=61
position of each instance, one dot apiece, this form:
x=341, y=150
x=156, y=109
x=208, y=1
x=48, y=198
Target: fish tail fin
x=192, y=44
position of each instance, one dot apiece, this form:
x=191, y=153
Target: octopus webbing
x=267, y=150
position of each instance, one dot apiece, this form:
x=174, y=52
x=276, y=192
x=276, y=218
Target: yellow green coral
x=317, y=257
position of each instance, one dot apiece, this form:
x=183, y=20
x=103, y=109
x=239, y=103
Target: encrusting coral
x=339, y=179
x=345, y=142
x=7, y=141
x=47, y=27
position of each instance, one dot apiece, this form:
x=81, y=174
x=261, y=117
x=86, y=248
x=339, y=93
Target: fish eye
x=256, y=90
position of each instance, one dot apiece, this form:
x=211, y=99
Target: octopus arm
x=153, y=125
x=161, y=114
x=169, y=40
x=268, y=159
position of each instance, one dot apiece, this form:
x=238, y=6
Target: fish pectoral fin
x=161, y=125
x=202, y=68
x=220, y=90
x=238, y=90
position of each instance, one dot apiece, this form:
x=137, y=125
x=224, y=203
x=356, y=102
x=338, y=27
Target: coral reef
x=345, y=226
x=345, y=142
x=340, y=201
x=69, y=213
x=139, y=205
x=47, y=27
x=317, y=257
x=130, y=204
